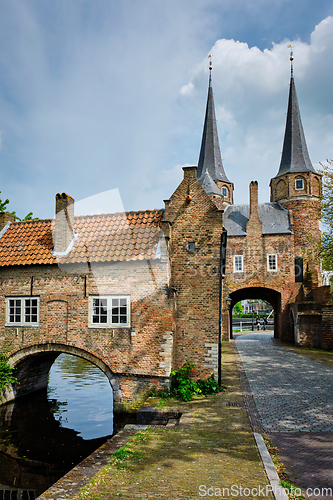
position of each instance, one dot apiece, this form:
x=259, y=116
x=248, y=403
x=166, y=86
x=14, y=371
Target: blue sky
x=100, y=95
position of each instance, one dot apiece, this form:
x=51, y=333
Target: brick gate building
x=140, y=292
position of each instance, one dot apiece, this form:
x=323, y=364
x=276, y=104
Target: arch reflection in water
x=42, y=438
x=87, y=395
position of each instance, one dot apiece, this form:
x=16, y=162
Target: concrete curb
x=272, y=475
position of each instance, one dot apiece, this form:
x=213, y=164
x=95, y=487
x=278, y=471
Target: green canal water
x=45, y=434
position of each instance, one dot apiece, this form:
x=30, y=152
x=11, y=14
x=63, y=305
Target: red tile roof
x=101, y=238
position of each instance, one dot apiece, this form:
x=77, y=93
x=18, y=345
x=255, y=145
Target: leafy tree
x=6, y=373
x=327, y=215
x=3, y=208
x=3, y=204
x=238, y=308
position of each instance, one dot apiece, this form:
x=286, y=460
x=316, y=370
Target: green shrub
x=209, y=386
x=6, y=373
x=184, y=388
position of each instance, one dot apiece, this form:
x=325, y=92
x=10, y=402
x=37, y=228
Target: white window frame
x=269, y=266
x=226, y=190
x=23, y=311
x=299, y=188
x=109, y=323
x=236, y=265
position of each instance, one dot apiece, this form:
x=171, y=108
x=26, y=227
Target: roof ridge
x=151, y=210
x=30, y=221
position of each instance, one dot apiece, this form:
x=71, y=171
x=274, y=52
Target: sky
x=108, y=96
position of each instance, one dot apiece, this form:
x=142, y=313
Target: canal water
x=45, y=434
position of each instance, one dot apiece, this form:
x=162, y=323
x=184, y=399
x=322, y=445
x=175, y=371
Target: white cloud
x=251, y=92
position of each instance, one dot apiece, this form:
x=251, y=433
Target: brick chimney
x=4, y=218
x=63, y=233
x=254, y=207
x=254, y=224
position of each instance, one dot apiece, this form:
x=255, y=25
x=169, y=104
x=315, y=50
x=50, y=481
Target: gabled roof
x=101, y=238
x=210, y=155
x=275, y=219
x=295, y=156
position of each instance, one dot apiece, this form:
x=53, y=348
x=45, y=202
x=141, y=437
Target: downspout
x=223, y=246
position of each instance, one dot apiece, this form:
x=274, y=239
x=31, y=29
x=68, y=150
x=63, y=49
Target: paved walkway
x=211, y=448
x=294, y=399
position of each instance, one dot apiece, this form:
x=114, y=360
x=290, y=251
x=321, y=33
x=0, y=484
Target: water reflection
x=73, y=381
x=45, y=434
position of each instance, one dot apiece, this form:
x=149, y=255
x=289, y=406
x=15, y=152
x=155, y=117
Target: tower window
x=271, y=262
x=191, y=247
x=299, y=184
x=238, y=263
x=298, y=269
x=225, y=192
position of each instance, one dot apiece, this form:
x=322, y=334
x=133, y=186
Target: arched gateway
x=267, y=294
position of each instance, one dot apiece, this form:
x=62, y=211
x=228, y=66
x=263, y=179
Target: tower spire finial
x=295, y=156
x=291, y=60
x=210, y=159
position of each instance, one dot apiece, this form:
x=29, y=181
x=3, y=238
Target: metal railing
x=246, y=324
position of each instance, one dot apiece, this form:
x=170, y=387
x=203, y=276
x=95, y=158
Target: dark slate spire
x=295, y=156
x=210, y=155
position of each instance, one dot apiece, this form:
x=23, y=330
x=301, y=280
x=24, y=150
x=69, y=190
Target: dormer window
x=299, y=184
x=225, y=192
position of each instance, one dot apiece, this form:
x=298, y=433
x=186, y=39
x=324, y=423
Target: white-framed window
x=225, y=192
x=299, y=184
x=109, y=311
x=271, y=262
x=238, y=263
x=22, y=311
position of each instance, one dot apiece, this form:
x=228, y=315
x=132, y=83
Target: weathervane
x=210, y=68
x=291, y=59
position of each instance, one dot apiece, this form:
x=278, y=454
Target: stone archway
x=261, y=293
x=33, y=364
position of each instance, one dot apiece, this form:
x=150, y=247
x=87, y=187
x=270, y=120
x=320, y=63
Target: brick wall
x=144, y=348
x=195, y=274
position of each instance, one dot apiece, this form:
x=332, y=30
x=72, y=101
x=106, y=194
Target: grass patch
x=169, y=463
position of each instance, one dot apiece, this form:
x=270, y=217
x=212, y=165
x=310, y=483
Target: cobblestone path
x=291, y=393
x=293, y=396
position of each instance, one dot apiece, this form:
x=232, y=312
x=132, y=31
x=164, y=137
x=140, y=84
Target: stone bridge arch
x=261, y=293
x=33, y=364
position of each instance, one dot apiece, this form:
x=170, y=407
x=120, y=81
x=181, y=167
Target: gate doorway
x=258, y=293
